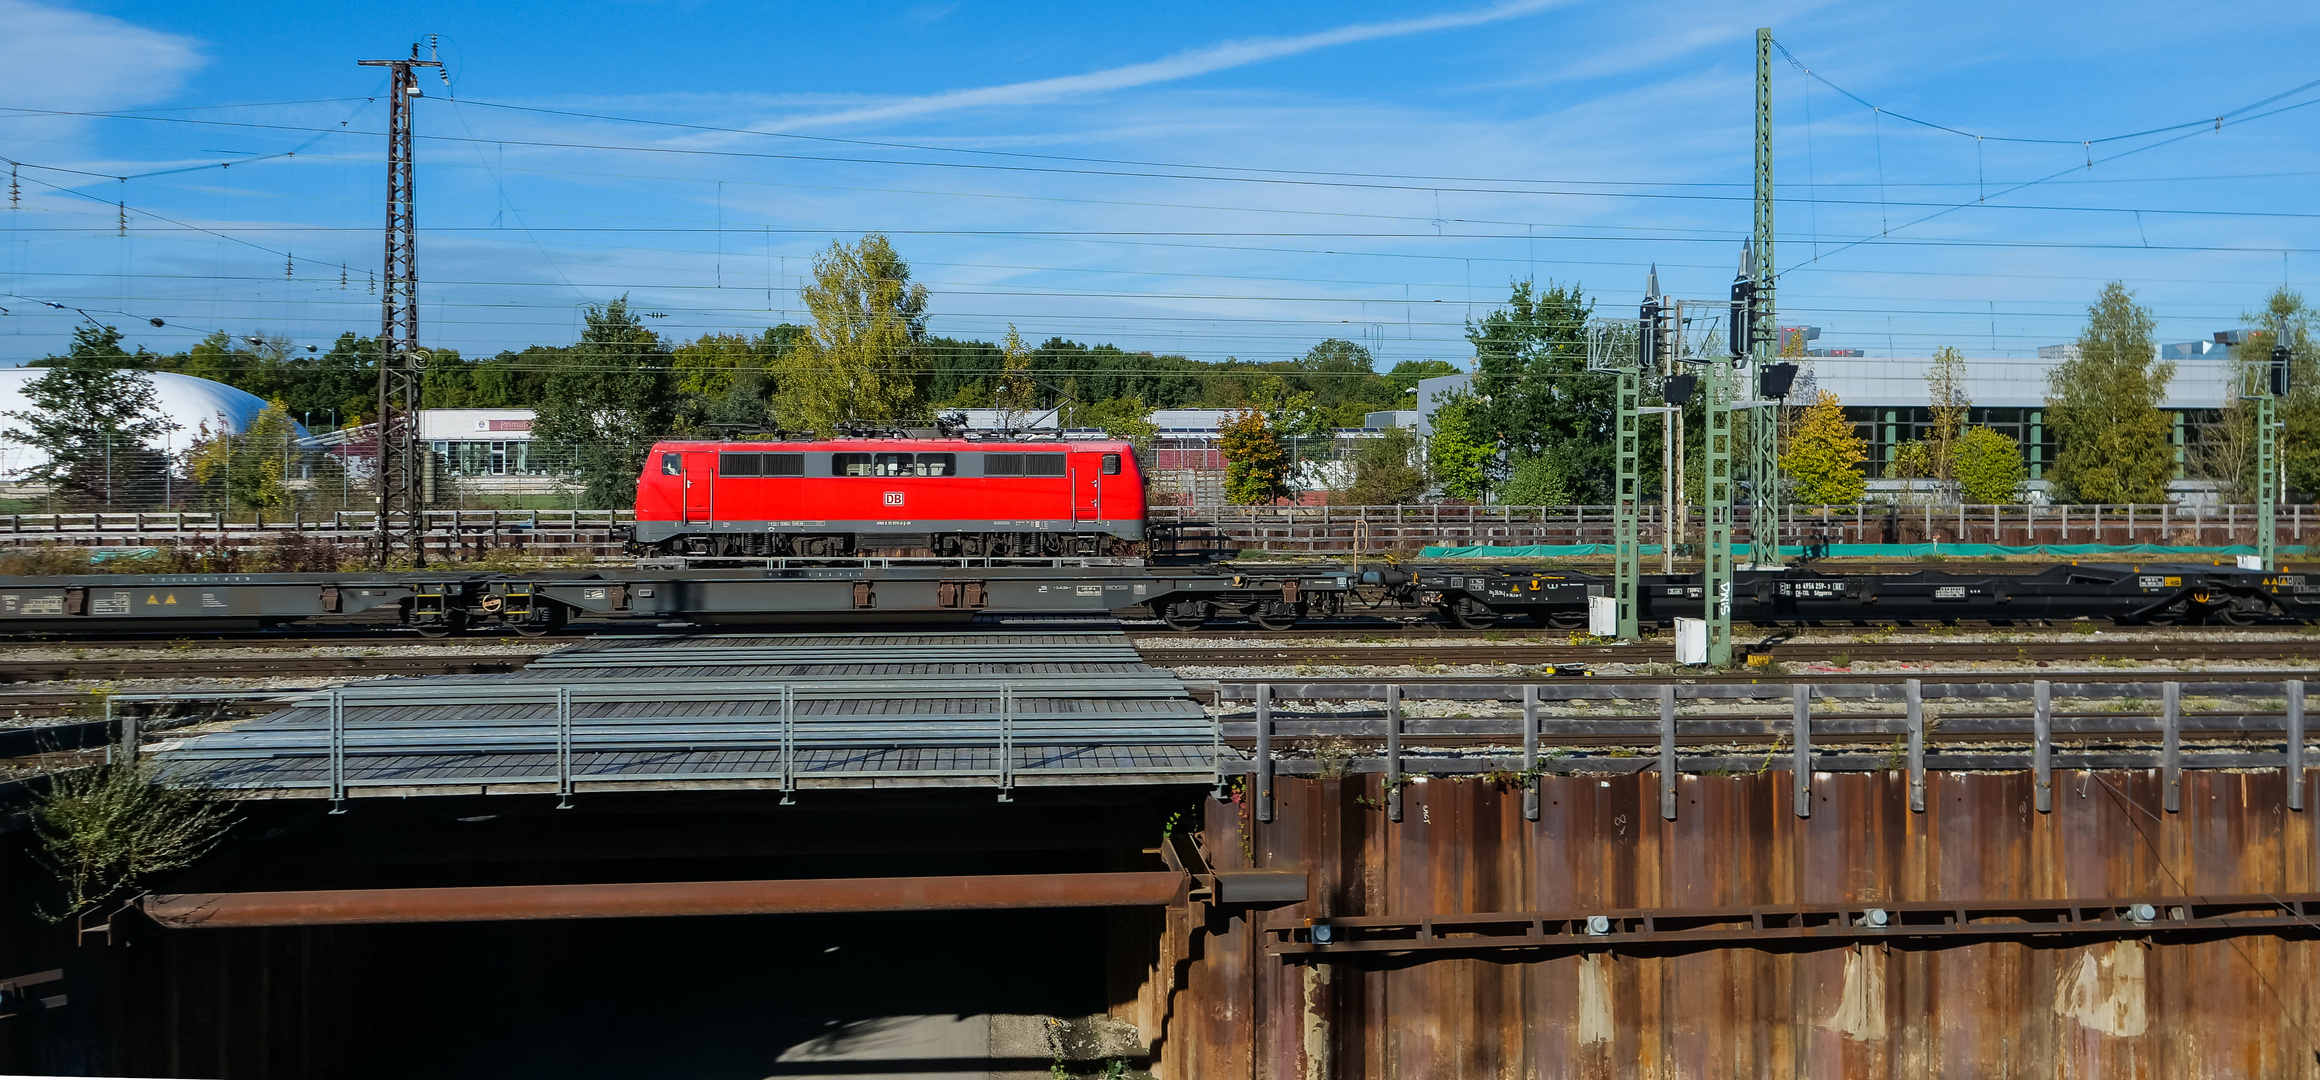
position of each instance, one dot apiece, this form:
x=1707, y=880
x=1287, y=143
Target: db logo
x=893, y=498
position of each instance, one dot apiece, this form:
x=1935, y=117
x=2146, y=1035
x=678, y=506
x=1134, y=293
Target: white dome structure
x=186, y=401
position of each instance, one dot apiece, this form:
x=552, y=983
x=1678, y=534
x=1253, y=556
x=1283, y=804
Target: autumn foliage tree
x=1824, y=456
x=861, y=359
x=1989, y=468
x=1256, y=466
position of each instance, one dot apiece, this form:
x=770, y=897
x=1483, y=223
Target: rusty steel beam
x=1804, y=925
x=344, y=907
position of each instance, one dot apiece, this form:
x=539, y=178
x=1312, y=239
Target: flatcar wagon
x=943, y=497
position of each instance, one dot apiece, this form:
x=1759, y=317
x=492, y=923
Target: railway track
x=177, y=662
x=1930, y=651
x=110, y=670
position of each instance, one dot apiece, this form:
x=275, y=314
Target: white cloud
x=64, y=59
x=1183, y=65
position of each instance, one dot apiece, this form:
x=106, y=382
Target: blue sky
x=1205, y=179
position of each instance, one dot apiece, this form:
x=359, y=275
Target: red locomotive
x=947, y=497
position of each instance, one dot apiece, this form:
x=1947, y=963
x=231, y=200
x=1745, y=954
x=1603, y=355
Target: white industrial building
x=189, y=405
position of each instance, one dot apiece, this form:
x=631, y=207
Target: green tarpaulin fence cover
x=1868, y=551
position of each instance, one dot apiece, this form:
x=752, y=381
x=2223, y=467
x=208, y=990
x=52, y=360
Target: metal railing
x=572, y=736
x=2128, y=733
x=1368, y=528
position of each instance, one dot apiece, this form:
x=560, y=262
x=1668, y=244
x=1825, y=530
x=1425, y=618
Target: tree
x=1127, y=419
x=249, y=471
x=2228, y=453
x=721, y=379
x=1456, y=454
x=1989, y=467
x=1342, y=377
x=1406, y=375
x=1539, y=480
x=1533, y=390
x=1385, y=472
x=106, y=830
x=859, y=360
x=91, y=414
x=1015, y=395
x=2103, y=407
x=605, y=403
x=1256, y=467
x=1945, y=391
x=1825, y=454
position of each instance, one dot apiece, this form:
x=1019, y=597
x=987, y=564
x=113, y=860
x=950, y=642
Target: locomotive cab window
x=1111, y=464
x=672, y=464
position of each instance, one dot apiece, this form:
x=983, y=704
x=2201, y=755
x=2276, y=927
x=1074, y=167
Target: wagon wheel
x=1471, y=614
x=1187, y=615
x=1278, y=615
x=2235, y=615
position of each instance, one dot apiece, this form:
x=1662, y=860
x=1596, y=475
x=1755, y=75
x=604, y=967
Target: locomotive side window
x=1111, y=464
x=785, y=464
x=883, y=464
x=672, y=464
x=1043, y=465
x=1002, y=464
x=738, y=465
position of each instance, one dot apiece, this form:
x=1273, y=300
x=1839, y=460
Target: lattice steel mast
x=400, y=460
x=2272, y=385
x=1764, y=519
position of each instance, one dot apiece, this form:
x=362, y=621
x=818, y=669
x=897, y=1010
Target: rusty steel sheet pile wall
x=2219, y=1004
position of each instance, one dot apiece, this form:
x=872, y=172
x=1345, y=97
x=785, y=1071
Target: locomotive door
x=700, y=487
x=1087, y=493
